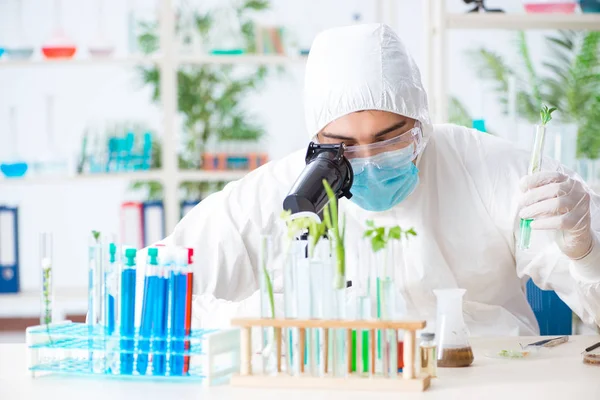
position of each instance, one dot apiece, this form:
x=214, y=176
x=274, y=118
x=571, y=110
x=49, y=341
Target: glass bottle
x=428, y=350
x=454, y=349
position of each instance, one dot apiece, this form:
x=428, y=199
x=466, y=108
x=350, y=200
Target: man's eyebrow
x=336, y=136
x=378, y=134
x=391, y=129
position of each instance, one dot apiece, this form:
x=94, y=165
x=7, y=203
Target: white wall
x=85, y=95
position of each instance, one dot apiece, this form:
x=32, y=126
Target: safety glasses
x=411, y=142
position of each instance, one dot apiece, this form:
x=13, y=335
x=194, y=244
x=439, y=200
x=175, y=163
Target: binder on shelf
x=153, y=222
x=9, y=249
x=132, y=224
x=187, y=205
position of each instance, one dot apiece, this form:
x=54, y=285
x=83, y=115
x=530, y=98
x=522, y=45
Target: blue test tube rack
x=62, y=348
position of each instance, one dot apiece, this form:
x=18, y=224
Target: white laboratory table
x=559, y=374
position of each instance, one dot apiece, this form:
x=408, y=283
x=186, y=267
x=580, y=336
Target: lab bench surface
x=558, y=374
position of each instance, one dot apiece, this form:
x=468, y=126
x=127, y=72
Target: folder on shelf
x=153, y=222
x=132, y=224
x=9, y=250
x=187, y=205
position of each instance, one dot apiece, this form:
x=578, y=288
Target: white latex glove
x=555, y=201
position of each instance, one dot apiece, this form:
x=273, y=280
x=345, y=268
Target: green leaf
x=395, y=232
x=96, y=235
x=370, y=223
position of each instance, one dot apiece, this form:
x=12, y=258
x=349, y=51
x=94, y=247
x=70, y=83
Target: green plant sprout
x=546, y=114
x=380, y=236
x=331, y=219
x=96, y=235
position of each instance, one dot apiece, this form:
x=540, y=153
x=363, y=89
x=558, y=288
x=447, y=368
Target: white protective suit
x=465, y=208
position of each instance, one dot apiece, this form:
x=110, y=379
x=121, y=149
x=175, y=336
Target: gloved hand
x=558, y=202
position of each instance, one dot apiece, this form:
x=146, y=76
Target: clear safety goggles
x=411, y=142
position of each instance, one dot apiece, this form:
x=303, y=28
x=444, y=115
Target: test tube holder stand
x=407, y=381
x=67, y=348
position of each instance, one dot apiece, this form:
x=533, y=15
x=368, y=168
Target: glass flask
x=14, y=166
x=59, y=45
x=21, y=49
x=226, y=36
x=454, y=349
x=101, y=45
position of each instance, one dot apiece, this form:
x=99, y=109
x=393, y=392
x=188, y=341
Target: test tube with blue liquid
x=127, y=328
x=178, y=285
x=160, y=322
x=148, y=308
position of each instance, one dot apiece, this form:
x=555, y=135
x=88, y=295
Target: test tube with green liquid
x=535, y=165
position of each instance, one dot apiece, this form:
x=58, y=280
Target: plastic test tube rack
x=64, y=348
x=407, y=381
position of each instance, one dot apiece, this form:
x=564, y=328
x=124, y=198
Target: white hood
x=361, y=67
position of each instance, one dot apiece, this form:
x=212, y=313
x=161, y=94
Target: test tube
x=94, y=296
x=535, y=165
x=178, y=279
x=47, y=295
x=188, y=308
x=127, y=328
x=110, y=291
x=159, y=325
x=148, y=307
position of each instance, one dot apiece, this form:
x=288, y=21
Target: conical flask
x=454, y=349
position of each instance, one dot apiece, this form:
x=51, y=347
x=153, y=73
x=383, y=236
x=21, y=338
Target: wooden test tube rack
x=409, y=380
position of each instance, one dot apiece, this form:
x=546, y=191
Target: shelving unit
x=194, y=59
x=168, y=60
x=438, y=22
x=154, y=175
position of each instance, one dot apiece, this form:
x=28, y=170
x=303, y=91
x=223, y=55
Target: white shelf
x=27, y=304
x=6, y=62
x=241, y=59
x=210, y=176
x=156, y=175
x=200, y=59
x=59, y=179
x=523, y=21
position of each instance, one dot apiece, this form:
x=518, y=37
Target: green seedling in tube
x=535, y=165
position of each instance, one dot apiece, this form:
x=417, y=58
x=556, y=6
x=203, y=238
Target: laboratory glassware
x=14, y=167
x=226, y=37
x=101, y=46
x=47, y=294
x=59, y=45
x=51, y=162
x=267, y=301
x=428, y=352
x=21, y=50
x=535, y=165
x=127, y=324
x=150, y=285
x=178, y=305
x=454, y=349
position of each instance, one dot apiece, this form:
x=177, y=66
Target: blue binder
x=153, y=222
x=9, y=249
x=186, y=206
x=552, y=314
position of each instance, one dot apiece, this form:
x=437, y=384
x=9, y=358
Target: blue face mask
x=384, y=180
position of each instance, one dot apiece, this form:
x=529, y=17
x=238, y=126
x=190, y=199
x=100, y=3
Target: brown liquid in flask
x=454, y=349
